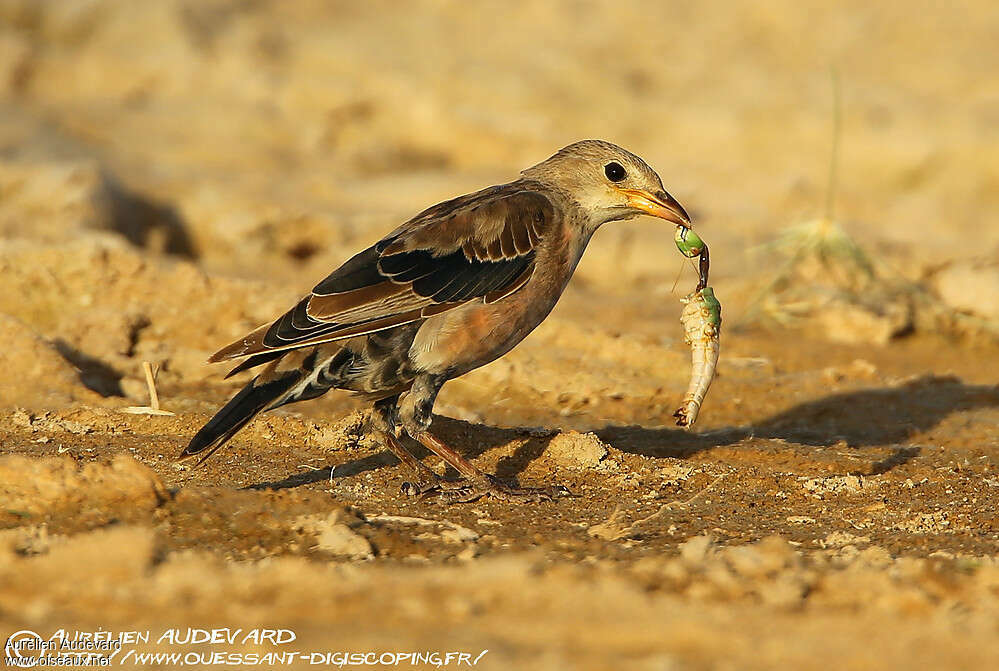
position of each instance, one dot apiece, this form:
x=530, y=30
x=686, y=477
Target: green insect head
x=688, y=242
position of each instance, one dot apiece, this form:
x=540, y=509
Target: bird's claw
x=432, y=486
x=410, y=488
x=422, y=486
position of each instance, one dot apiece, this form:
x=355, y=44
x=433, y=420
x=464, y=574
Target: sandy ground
x=173, y=174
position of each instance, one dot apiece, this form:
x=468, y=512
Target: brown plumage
x=452, y=289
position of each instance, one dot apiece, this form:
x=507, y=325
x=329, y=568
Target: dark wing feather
x=254, y=361
x=477, y=247
x=360, y=271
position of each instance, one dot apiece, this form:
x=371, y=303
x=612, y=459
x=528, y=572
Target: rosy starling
x=454, y=288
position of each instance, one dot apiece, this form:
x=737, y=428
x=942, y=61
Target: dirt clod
x=576, y=450
x=33, y=487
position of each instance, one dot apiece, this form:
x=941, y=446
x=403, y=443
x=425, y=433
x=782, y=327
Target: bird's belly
x=472, y=335
x=475, y=334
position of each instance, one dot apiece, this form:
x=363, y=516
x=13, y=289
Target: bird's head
x=608, y=182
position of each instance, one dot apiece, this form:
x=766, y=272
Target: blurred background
x=246, y=114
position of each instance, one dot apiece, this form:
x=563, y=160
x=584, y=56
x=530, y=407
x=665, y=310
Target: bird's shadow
x=864, y=418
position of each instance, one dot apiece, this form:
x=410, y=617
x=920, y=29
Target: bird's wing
x=476, y=247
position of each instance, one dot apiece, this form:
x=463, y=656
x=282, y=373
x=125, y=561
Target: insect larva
x=701, y=320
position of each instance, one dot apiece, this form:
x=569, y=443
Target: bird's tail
x=244, y=406
x=295, y=376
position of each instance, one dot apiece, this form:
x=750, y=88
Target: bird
x=452, y=289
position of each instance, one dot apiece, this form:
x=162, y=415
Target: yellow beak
x=659, y=204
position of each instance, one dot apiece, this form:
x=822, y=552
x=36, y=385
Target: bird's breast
x=477, y=333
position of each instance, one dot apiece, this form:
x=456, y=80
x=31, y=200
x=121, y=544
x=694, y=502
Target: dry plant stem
x=633, y=528
x=831, y=184
x=698, y=494
x=791, y=292
x=154, y=399
x=673, y=505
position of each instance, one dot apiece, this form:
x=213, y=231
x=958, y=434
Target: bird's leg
x=416, y=416
x=383, y=423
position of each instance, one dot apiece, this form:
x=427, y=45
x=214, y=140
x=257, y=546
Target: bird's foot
x=450, y=491
x=465, y=491
x=424, y=484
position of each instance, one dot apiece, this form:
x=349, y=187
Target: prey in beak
x=659, y=204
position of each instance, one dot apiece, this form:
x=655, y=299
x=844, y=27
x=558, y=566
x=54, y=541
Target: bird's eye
x=614, y=171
